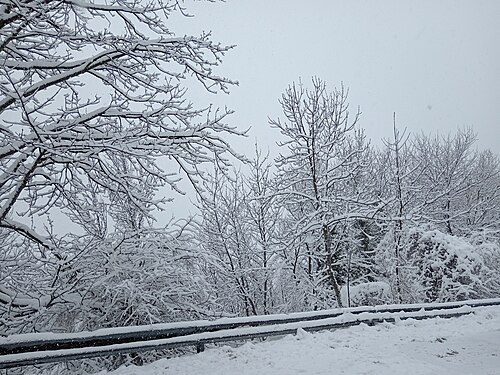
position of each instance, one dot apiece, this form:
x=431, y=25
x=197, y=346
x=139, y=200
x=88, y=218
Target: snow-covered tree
x=325, y=158
x=265, y=216
x=239, y=231
x=481, y=201
x=399, y=173
x=440, y=184
x=93, y=99
x=447, y=165
x=225, y=234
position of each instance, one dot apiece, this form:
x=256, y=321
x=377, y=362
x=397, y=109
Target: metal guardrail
x=22, y=350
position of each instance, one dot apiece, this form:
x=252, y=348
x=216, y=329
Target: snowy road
x=465, y=345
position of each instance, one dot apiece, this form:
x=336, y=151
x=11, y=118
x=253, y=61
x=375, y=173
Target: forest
x=98, y=135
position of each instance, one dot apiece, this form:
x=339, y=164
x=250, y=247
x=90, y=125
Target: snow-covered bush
x=448, y=266
x=366, y=294
x=437, y=267
x=145, y=280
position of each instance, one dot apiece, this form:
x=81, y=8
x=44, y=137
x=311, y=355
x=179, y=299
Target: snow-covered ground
x=464, y=345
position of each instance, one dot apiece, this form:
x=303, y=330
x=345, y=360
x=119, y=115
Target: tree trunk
x=329, y=264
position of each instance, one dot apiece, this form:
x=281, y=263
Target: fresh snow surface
x=465, y=345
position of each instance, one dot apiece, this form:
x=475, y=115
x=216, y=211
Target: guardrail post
x=200, y=347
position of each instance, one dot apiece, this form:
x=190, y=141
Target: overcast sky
x=435, y=63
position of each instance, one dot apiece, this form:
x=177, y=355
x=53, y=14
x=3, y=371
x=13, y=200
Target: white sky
x=435, y=63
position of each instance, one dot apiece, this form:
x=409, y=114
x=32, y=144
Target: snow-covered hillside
x=465, y=345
